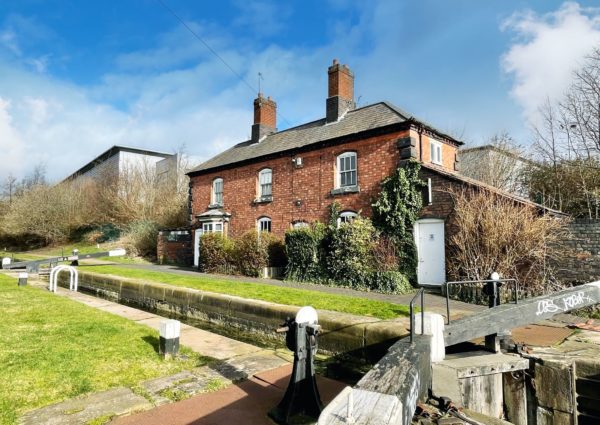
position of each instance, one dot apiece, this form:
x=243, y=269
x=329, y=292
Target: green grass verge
x=261, y=291
x=54, y=348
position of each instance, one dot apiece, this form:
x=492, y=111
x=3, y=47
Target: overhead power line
x=214, y=52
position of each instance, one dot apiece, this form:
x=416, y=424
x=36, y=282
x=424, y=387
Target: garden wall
x=175, y=247
x=342, y=333
x=580, y=261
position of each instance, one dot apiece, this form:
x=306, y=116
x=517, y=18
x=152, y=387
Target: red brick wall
x=442, y=204
x=174, y=252
x=265, y=111
x=341, y=81
x=310, y=185
x=448, y=151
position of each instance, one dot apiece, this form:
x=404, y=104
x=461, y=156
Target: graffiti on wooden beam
x=568, y=303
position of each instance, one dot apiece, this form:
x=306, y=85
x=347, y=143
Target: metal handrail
x=420, y=292
x=461, y=282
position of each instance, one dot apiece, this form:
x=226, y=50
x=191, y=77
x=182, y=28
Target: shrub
x=350, y=256
x=251, y=254
x=216, y=253
x=390, y=282
x=275, y=250
x=395, y=211
x=303, y=248
x=494, y=233
x=141, y=238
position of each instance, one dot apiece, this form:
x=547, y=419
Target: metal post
x=412, y=322
x=422, y=312
x=447, y=304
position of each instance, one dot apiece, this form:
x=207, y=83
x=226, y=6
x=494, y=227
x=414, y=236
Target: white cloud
x=547, y=50
x=8, y=39
x=176, y=93
x=12, y=149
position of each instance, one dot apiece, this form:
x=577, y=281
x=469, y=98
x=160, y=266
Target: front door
x=429, y=237
x=197, y=235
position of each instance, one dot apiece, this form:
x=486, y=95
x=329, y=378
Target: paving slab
x=538, y=335
x=125, y=311
x=246, y=366
x=118, y=401
x=183, y=385
x=245, y=403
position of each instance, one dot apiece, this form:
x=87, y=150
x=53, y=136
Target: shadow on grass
x=153, y=341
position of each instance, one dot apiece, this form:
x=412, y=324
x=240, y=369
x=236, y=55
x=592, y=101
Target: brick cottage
x=279, y=180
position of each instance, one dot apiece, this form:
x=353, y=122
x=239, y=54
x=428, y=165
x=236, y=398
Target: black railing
x=420, y=292
x=478, y=282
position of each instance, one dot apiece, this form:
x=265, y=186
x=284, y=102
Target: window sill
x=263, y=200
x=215, y=206
x=344, y=190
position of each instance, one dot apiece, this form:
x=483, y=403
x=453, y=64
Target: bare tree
x=499, y=163
x=567, y=143
x=9, y=187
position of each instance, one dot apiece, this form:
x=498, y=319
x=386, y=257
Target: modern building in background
x=119, y=160
x=501, y=168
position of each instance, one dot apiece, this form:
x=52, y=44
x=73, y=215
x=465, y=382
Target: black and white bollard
x=169, y=338
x=23, y=279
x=302, y=399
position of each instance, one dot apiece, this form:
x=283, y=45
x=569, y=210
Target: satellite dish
x=307, y=315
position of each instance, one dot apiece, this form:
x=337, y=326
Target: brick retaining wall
x=580, y=259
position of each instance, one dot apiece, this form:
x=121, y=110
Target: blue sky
x=77, y=77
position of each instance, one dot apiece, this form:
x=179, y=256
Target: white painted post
x=6, y=261
x=23, y=279
x=434, y=326
x=169, y=338
x=76, y=279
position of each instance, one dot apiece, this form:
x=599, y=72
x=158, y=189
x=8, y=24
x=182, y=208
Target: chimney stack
x=265, y=117
x=341, y=91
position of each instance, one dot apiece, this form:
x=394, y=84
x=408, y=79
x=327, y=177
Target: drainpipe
x=420, y=130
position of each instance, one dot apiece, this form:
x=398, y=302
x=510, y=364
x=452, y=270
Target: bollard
x=302, y=398
x=6, y=261
x=22, y=279
x=169, y=338
x=492, y=290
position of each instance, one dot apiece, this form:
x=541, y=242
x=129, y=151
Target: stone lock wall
x=580, y=252
x=360, y=336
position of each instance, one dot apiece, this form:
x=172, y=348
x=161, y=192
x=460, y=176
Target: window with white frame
x=212, y=227
x=436, y=152
x=346, y=217
x=217, y=192
x=265, y=183
x=263, y=224
x=346, y=169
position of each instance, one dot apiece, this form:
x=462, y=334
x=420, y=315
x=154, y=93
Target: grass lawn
x=54, y=348
x=261, y=291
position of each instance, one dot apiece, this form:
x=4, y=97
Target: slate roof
x=355, y=121
x=477, y=183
